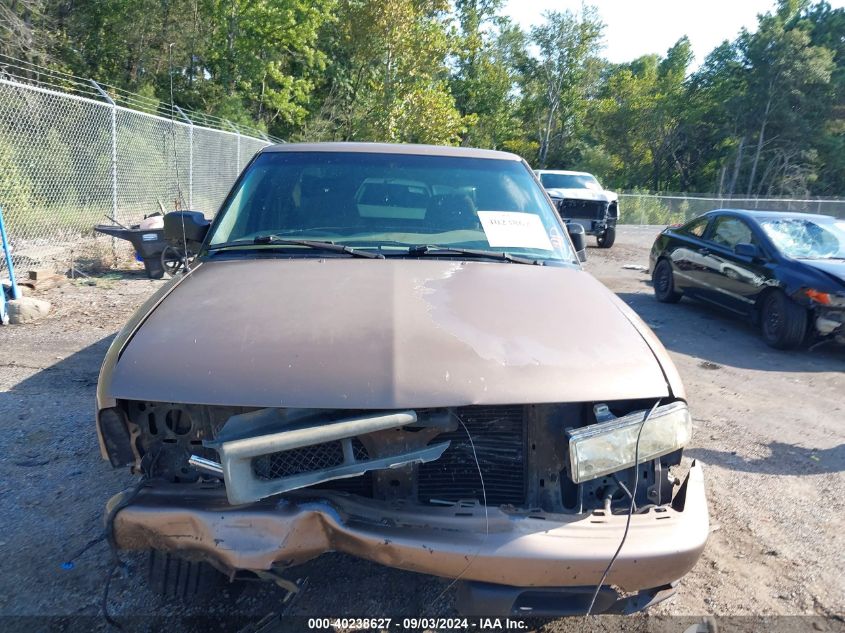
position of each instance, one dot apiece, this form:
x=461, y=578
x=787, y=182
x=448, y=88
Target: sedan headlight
x=599, y=449
x=826, y=298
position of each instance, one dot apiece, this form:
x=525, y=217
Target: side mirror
x=185, y=226
x=579, y=240
x=747, y=250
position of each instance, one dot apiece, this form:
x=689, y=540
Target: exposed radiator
x=498, y=433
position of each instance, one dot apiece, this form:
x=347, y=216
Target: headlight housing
x=826, y=298
x=608, y=447
x=111, y=424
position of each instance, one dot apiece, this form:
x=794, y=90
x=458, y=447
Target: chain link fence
x=69, y=162
x=73, y=155
x=661, y=209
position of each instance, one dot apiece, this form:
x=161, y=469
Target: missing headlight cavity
x=173, y=432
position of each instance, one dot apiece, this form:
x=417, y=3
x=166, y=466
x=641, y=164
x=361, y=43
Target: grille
x=499, y=437
x=304, y=460
x=582, y=209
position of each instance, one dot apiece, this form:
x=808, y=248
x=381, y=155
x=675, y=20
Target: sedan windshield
x=393, y=204
x=807, y=238
x=569, y=181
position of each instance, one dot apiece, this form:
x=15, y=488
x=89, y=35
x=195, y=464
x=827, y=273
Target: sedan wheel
x=783, y=322
x=664, y=283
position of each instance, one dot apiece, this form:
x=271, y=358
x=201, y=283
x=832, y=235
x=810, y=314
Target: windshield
x=569, y=181
x=807, y=238
x=391, y=203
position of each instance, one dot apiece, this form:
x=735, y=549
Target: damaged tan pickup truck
x=393, y=351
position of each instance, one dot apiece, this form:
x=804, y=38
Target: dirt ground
x=769, y=430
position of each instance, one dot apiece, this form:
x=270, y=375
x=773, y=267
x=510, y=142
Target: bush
x=642, y=208
x=526, y=149
x=16, y=197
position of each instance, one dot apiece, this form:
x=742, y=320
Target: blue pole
x=16, y=293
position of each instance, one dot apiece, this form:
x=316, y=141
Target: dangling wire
x=116, y=562
x=181, y=200
x=486, y=516
x=630, y=509
x=179, y=197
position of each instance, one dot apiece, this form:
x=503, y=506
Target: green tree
x=827, y=29
x=388, y=79
x=246, y=60
x=764, y=114
x=785, y=68
x=23, y=30
x=638, y=118
x=713, y=121
x=265, y=53
x=484, y=79
x=557, y=81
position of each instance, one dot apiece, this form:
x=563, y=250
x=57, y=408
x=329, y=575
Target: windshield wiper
x=274, y=240
x=817, y=257
x=434, y=250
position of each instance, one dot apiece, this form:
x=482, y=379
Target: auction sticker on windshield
x=514, y=229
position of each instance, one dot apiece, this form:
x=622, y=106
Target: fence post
x=190, y=156
x=113, y=105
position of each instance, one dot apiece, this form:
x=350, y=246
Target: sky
x=640, y=27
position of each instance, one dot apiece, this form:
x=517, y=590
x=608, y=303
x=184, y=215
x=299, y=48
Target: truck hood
x=582, y=194
x=383, y=334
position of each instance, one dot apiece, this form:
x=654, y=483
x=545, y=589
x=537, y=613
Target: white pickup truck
x=579, y=198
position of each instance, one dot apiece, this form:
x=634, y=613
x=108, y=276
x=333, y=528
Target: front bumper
x=538, y=550
x=830, y=323
x=591, y=227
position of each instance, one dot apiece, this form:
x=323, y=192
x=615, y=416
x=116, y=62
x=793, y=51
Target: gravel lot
x=769, y=429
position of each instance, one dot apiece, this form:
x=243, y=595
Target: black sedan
x=783, y=271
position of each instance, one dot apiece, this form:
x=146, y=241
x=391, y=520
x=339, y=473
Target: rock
x=706, y=364
x=27, y=310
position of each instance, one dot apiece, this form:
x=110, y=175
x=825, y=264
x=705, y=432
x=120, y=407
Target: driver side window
x=728, y=231
x=696, y=227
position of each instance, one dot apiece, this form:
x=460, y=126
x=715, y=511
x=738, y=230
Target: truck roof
x=394, y=148
x=563, y=172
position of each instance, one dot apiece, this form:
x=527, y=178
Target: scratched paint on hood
x=382, y=334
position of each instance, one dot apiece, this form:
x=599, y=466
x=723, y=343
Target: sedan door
x=683, y=248
x=731, y=279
